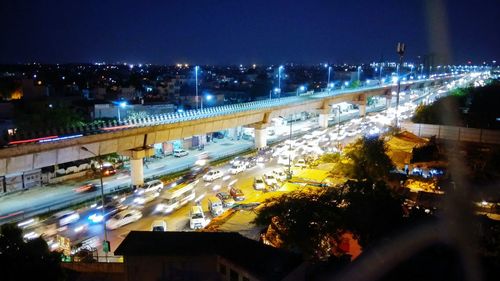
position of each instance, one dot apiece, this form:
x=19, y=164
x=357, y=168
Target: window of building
x=222, y=269
x=233, y=275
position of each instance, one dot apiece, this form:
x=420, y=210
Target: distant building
x=213, y=256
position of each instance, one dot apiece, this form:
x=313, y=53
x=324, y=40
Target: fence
x=454, y=133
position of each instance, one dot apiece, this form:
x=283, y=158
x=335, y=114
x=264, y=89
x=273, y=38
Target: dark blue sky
x=245, y=31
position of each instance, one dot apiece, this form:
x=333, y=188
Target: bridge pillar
x=137, y=164
x=388, y=100
x=323, y=120
x=137, y=172
x=260, y=135
x=362, y=110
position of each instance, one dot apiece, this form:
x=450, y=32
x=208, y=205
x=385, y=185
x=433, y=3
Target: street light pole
x=400, y=49
x=338, y=128
x=328, y=83
x=196, y=79
x=105, y=244
x=279, y=80
x=289, y=150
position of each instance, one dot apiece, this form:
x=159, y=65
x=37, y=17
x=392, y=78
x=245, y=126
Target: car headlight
x=159, y=207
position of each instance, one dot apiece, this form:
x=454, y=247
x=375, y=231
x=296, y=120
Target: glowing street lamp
x=122, y=105
x=301, y=89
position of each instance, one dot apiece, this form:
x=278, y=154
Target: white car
x=238, y=168
x=159, y=225
x=270, y=180
x=212, y=175
x=146, y=197
x=180, y=153
x=258, y=183
x=300, y=163
x=123, y=218
x=279, y=175
x=284, y=159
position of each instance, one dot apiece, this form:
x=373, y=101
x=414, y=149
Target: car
x=212, y=175
x=300, y=163
x=150, y=186
x=123, y=218
x=197, y=218
x=279, y=175
x=108, y=170
x=226, y=199
x=238, y=168
x=180, y=153
x=159, y=225
x=237, y=161
x=146, y=197
x=270, y=179
x=258, y=183
x=67, y=217
x=284, y=159
x=89, y=187
x=251, y=162
x=237, y=194
x=110, y=210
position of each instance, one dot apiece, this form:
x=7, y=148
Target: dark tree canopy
x=366, y=160
x=29, y=260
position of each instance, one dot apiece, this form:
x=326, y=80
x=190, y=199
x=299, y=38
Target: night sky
x=246, y=31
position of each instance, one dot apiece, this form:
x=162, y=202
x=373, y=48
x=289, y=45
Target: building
x=225, y=256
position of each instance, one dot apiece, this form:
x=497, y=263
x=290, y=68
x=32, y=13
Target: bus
x=176, y=197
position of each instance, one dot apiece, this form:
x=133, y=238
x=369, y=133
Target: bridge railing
x=170, y=118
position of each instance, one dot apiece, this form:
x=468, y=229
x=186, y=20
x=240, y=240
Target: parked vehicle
x=270, y=179
x=196, y=218
x=159, y=225
x=280, y=175
x=237, y=194
x=123, y=218
x=215, y=206
x=258, y=183
x=300, y=163
x=226, y=199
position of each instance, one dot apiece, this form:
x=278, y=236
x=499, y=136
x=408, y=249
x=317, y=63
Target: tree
x=305, y=220
x=29, y=260
x=330, y=158
x=40, y=115
x=373, y=211
x=366, y=159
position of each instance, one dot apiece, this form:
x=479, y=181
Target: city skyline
x=234, y=32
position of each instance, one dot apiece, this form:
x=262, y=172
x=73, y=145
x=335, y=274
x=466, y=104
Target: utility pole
x=400, y=49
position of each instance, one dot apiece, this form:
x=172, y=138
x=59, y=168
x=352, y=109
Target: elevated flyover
x=134, y=138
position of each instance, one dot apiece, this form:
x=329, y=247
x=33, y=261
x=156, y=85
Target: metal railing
x=195, y=114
